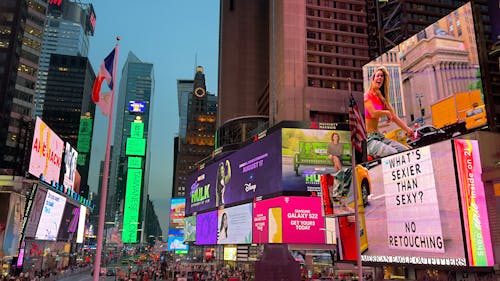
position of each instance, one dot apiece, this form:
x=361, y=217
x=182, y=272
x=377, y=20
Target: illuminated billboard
x=190, y=229
x=46, y=153
x=84, y=139
x=176, y=243
x=135, y=147
x=69, y=221
x=413, y=213
x=230, y=253
x=70, y=161
x=136, y=106
x=305, y=154
x=81, y=224
x=36, y=211
x=132, y=204
x=235, y=225
x=432, y=78
x=177, y=212
x=288, y=219
x=206, y=228
x=50, y=219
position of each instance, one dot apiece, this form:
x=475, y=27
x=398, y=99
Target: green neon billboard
x=135, y=162
x=136, y=147
x=84, y=135
x=132, y=204
x=137, y=130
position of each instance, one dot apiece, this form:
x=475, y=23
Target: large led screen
x=475, y=213
x=132, y=203
x=36, y=211
x=50, y=220
x=69, y=221
x=413, y=213
x=46, y=153
x=70, y=161
x=190, y=229
x=297, y=220
x=235, y=225
x=176, y=243
x=206, y=228
x=81, y=224
x=248, y=173
x=432, y=78
x=306, y=155
x=177, y=211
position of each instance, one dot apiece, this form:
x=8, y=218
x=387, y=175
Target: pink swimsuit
x=377, y=104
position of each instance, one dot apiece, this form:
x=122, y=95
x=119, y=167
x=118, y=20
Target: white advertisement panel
x=46, y=153
x=81, y=224
x=235, y=225
x=50, y=220
x=413, y=220
x=70, y=160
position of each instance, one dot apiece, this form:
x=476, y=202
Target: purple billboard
x=206, y=228
x=253, y=171
x=69, y=221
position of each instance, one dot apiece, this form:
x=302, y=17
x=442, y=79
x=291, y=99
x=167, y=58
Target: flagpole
x=356, y=205
x=105, y=176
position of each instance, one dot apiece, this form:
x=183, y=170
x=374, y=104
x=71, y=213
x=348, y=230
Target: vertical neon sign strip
x=473, y=197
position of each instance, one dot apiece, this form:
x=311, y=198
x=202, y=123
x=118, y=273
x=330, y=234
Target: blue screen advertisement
x=254, y=170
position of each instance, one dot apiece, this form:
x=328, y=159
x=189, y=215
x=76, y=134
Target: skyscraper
x=305, y=70
x=21, y=32
x=68, y=98
x=197, y=117
x=131, y=140
x=68, y=27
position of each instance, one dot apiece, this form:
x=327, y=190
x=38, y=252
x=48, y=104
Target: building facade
x=68, y=28
x=68, y=98
x=20, y=45
x=197, y=114
x=311, y=64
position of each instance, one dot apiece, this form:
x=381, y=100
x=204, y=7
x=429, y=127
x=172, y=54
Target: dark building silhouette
x=67, y=99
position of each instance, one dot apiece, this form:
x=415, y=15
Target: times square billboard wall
x=414, y=216
x=264, y=167
x=177, y=211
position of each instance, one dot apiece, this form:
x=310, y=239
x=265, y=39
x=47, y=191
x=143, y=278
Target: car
x=426, y=135
x=110, y=272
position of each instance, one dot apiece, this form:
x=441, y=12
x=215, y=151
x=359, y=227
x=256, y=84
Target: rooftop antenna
x=195, y=60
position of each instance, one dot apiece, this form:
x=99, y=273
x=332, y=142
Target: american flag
x=356, y=125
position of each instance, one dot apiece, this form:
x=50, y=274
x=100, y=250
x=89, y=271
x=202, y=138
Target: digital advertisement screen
x=69, y=221
x=50, y=220
x=200, y=186
x=305, y=154
x=177, y=214
x=132, y=203
x=206, y=228
x=176, y=243
x=136, y=147
x=70, y=162
x=285, y=219
x=190, y=229
x=36, y=211
x=474, y=209
x=413, y=213
x=230, y=253
x=250, y=172
x=433, y=78
x=81, y=224
x=46, y=153
x=136, y=106
x=137, y=130
x=235, y=225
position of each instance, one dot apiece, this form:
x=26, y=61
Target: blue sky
x=174, y=36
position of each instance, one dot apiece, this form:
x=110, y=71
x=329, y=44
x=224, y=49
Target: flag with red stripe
x=103, y=100
x=356, y=125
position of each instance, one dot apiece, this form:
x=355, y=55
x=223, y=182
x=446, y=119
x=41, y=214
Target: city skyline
x=188, y=41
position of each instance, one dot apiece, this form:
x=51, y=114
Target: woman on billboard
x=222, y=233
x=377, y=106
x=223, y=177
